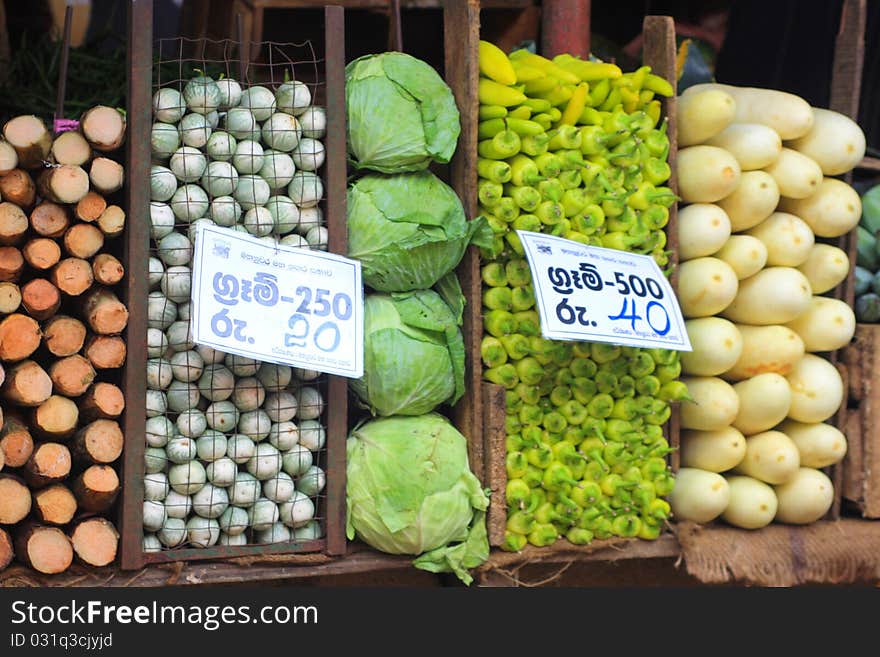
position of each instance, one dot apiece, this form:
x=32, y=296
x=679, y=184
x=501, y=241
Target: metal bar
x=565, y=28
x=136, y=254
x=62, y=69
x=659, y=53
x=335, y=172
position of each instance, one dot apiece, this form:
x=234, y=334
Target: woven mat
x=832, y=552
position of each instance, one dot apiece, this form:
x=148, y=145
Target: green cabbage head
x=401, y=114
x=410, y=491
x=408, y=230
x=413, y=354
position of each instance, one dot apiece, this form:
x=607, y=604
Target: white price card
x=595, y=294
x=277, y=303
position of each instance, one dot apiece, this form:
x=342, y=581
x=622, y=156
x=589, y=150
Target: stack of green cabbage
x=574, y=149
x=409, y=490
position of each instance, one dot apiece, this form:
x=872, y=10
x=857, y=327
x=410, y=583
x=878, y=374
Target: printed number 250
x=340, y=305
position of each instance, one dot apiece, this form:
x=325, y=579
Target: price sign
x=277, y=303
x=602, y=295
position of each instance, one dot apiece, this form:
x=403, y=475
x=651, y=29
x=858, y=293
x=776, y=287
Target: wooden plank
x=494, y=435
x=136, y=254
x=607, y=550
x=870, y=413
x=188, y=573
x=853, y=467
x=849, y=58
x=337, y=419
x=461, y=21
x=659, y=54
x=293, y=553
x=846, y=83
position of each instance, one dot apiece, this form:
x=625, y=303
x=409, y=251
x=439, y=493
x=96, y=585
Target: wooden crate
x=480, y=415
x=325, y=77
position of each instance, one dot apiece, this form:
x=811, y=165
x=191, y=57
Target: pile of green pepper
x=585, y=440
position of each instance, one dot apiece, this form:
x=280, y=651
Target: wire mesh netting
x=235, y=448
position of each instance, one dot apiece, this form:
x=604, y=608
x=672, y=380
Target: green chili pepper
x=493, y=274
x=520, y=522
x=648, y=386
x=626, y=526
x=543, y=535
x=514, y=542
x=502, y=375
x=516, y=464
x=513, y=442
x=528, y=323
x=601, y=406
x=492, y=351
x=516, y=345
x=531, y=414
x=533, y=476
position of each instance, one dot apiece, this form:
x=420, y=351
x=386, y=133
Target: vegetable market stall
x=713, y=553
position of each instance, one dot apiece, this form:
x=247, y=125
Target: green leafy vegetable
x=401, y=114
x=410, y=491
x=413, y=354
x=408, y=230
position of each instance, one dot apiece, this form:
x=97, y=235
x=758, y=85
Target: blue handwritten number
x=650, y=305
x=300, y=327
x=632, y=318
x=328, y=326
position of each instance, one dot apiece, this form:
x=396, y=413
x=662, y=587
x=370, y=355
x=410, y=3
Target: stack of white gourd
x=232, y=443
x=755, y=168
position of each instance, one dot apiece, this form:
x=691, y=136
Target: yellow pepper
x=492, y=93
x=544, y=64
x=495, y=65
x=576, y=104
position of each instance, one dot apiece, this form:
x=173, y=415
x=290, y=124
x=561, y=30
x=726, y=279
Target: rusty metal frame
x=140, y=64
